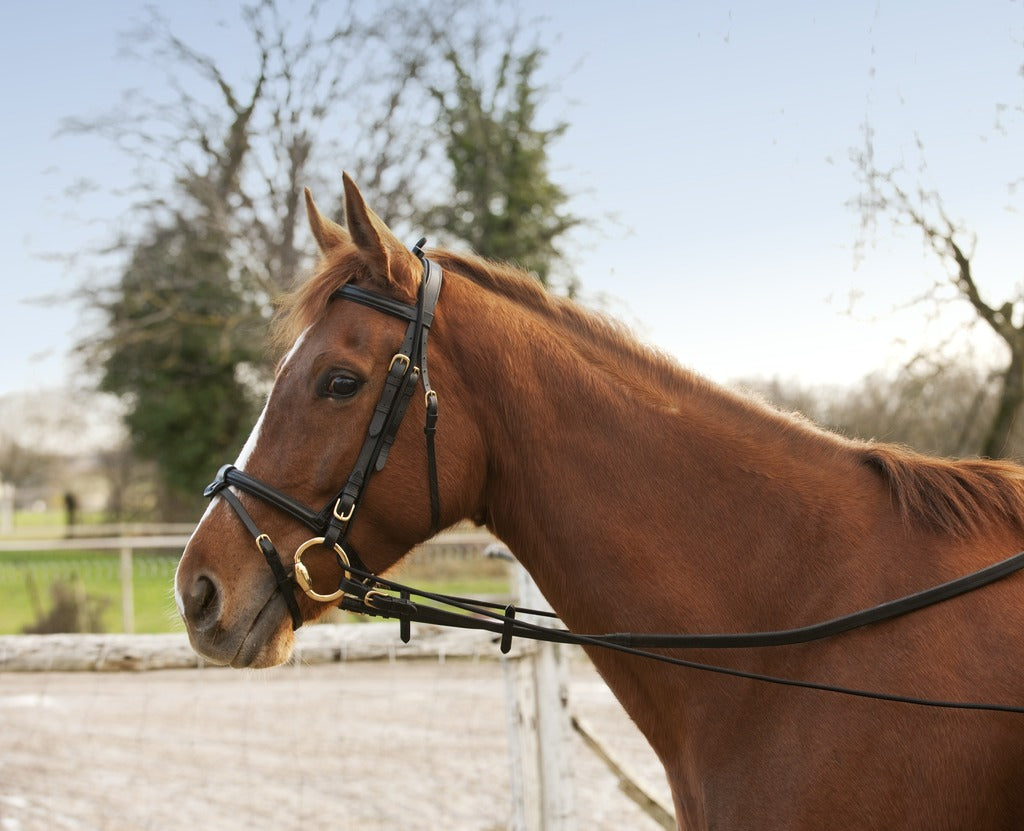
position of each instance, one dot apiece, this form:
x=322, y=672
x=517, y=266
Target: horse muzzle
x=251, y=633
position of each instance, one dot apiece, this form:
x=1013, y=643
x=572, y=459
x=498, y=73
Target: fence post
x=127, y=591
x=540, y=724
x=6, y=507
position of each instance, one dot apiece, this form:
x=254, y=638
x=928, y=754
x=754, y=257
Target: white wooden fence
x=540, y=720
x=170, y=538
x=126, y=548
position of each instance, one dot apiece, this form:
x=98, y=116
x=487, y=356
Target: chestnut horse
x=642, y=498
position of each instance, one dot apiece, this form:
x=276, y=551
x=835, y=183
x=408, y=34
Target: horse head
x=334, y=415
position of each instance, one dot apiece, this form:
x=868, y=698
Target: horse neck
x=605, y=478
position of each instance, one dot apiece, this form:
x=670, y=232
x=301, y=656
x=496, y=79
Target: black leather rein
x=368, y=596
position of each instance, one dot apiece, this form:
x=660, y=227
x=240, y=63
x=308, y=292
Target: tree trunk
x=1011, y=398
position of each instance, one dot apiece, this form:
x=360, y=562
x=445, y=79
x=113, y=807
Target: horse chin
x=259, y=639
x=270, y=639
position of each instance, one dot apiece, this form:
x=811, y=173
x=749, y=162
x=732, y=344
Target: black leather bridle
x=331, y=524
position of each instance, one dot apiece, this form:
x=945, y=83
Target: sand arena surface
x=411, y=744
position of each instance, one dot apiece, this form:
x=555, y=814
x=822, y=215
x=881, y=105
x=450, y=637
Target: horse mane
x=954, y=497
x=609, y=346
x=959, y=497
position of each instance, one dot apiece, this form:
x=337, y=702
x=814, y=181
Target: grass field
x=27, y=581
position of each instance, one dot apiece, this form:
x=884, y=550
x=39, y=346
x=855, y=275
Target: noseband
x=331, y=524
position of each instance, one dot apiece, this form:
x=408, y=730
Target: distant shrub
x=72, y=610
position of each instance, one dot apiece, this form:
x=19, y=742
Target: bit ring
x=302, y=573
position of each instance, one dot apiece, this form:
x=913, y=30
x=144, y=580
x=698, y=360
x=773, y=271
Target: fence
x=537, y=704
x=96, y=560
x=126, y=547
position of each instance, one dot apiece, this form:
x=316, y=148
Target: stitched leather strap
x=476, y=614
x=408, y=368
x=284, y=578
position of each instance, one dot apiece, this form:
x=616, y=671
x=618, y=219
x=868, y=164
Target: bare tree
x=22, y=467
x=326, y=87
x=886, y=194
x=943, y=410
x=215, y=232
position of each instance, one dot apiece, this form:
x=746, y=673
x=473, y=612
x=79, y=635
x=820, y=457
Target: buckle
x=400, y=358
x=347, y=515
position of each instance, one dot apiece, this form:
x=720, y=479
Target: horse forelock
x=301, y=308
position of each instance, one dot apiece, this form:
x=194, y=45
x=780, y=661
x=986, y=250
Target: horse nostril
x=202, y=603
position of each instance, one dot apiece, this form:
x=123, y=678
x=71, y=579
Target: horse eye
x=339, y=385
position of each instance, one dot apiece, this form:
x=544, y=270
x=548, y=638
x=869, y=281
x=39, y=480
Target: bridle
x=331, y=524
x=363, y=592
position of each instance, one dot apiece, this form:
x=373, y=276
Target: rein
x=368, y=597
x=363, y=592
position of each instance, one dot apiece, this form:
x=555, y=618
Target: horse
x=641, y=498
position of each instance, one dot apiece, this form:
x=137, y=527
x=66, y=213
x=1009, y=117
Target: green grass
x=152, y=584
x=27, y=580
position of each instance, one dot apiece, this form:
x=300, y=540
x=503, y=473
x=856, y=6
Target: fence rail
x=94, y=543
x=460, y=543
x=126, y=548
x=109, y=529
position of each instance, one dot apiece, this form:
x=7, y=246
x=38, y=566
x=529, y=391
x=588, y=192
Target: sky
x=709, y=146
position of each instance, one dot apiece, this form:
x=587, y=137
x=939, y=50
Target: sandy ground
x=410, y=744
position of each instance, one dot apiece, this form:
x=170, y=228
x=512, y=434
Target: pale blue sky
x=709, y=141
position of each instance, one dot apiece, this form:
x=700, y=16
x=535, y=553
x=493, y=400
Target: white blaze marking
x=250, y=443
x=295, y=347
x=243, y=457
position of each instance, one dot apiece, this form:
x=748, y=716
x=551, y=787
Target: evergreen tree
x=503, y=203
x=180, y=334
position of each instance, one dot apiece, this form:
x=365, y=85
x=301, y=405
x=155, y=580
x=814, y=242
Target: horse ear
x=390, y=262
x=328, y=234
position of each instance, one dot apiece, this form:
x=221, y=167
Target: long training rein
x=366, y=594
x=363, y=592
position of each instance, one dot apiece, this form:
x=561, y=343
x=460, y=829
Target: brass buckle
x=343, y=517
x=372, y=593
x=399, y=356
x=302, y=573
